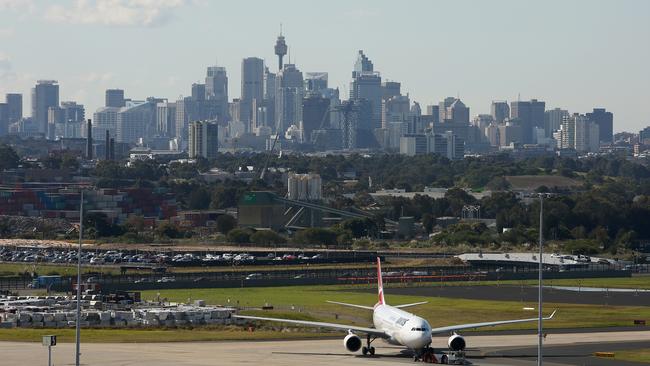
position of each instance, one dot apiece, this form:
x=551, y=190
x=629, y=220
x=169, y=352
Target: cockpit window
x=418, y=329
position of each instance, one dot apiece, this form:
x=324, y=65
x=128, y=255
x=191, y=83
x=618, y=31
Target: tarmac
x=484, y=350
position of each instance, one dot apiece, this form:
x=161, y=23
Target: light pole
x=540, y=285
x=78, y=325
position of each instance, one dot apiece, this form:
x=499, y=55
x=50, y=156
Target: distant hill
x=532, y=182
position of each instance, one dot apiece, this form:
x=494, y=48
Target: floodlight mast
x=78, y=322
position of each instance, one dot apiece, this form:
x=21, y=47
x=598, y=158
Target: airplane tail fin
x=380, y=284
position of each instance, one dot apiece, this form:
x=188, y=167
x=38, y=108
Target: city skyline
x=593, y=65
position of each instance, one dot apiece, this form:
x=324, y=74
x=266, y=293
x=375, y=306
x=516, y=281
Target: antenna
x=280, y=28
x=289, y=53
x=518, y=97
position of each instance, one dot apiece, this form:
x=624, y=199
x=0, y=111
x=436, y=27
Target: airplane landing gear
x=368, y=349
x=427, y=355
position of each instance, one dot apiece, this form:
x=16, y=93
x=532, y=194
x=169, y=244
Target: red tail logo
x=380, y=283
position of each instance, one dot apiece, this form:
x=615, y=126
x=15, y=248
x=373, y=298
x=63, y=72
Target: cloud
x=145, y=13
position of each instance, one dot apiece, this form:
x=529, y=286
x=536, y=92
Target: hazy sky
x=572, y=54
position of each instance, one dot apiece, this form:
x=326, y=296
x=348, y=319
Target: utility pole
x=539, y=298
x=78, y=322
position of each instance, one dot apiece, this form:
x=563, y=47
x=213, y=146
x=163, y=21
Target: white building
x=203, y=139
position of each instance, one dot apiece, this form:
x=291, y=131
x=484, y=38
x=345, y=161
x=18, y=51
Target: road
x=490, y=350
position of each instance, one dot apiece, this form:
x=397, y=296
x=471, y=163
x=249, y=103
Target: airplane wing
x=343, y=327
x=454, y=328
x=351, y=305
x=409, y=305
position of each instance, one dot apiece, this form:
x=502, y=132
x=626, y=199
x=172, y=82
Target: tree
x=316, y=236
x=239, y=236
x=225, y=223
x=199, y=199
x=168, y=230
x=267, y=237
x=428, y=222
x=134, y=223
x=100, y=225
x=8, y=157
x=359, y=227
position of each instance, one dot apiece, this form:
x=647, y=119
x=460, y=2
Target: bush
x=239, y=236
x=267, y=237
x=225, y=223
x=316, y=236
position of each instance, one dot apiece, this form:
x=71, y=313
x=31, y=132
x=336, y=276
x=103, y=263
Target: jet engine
x=352, y=342
x=456, y=343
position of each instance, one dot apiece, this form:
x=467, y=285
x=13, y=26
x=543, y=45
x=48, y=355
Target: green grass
x=638, y=355
x=308, y=303
x=14, y=269
x=439, y=311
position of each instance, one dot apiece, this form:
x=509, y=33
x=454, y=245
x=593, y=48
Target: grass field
x=308, y=303
x=297, y=300
x=638, y=355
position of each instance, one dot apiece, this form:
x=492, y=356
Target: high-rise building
x=453, y=110
x=314, y=114
x=366, y=84
x=216, y=91
x=166, y=119
x=14, y=107
x=315, y=81
x=44, y=95
x=252, y=86
x=115, y=98
x=644, y=136
x=198, y=92
x=553, y=120
x=529, y=114
x=446, y=144
x=605, y=122
x=136, y=121
x=509, y=133
x=105, y=119
x=4, y=119
x=500, y=110
x=66, y=121
x=203, y=139
x=288, y=98
x=579, y=133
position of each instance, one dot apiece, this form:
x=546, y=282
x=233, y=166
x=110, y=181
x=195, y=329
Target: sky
x=573, y=54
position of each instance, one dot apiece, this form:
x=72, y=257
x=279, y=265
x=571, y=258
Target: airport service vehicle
x=398, y=327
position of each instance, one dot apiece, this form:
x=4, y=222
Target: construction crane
x=268, y=157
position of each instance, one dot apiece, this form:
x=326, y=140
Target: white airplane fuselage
x=405, y=329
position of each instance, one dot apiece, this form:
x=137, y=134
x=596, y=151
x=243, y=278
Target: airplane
x=395, y=326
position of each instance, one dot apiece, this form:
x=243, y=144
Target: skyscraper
x=4, y=119
x=366, y=84
x=216, y=90
x=114, y=98
x=553, y=120
x=288, y=98
x=105, y=119
x=500, y=110
x=579, y=133
x=529, y=114
x=605, y=122
x=315, y=81
x=166, y=119
x=314, y=114
x=44, y=95
x=135, y=121
x=453, y=110
x=14, y=106
x=203, y=139
x=66, y=121
x=252, y=85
